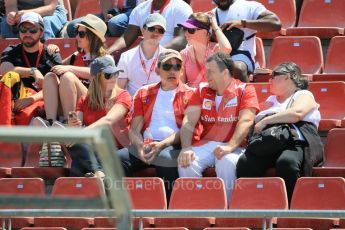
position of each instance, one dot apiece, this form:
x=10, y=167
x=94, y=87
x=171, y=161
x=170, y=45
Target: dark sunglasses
x=108, y=76
x=189, y=30
x=31, y=30
x=81, y=34
x=167, y=67
x=277, y=73
x=154, y=29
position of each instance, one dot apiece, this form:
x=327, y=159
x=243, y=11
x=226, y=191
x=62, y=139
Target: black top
x=14, y=55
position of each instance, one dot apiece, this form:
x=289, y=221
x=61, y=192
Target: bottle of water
x=147, y=140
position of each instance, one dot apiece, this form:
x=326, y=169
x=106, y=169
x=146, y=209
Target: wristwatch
x=32, y=71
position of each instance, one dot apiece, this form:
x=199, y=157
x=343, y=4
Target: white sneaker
x=58, y=124
x=39, y=122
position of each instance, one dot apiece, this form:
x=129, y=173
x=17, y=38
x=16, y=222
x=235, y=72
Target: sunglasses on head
x=191, y=31
x=80, y=33
x=167, y=67
x=110, y=75
x=154, y=29
x=31, y=30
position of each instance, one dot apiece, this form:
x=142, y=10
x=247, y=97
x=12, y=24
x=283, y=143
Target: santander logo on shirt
x=211, y=119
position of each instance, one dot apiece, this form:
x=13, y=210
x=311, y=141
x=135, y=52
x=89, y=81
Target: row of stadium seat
x=11, y=159
x=313, y=193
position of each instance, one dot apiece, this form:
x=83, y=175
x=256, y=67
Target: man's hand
x=156, y=147
x=38, y=78
x=60, y=69
x=22, y=103
x=260, y=126
x=186, y=157
x=230, y=24
x=222, y=150
x=11, y=18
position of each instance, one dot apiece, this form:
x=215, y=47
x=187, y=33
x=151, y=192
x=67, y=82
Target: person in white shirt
x=250, y=16
x=139, y=63
x=174, y=11
x=290, y=103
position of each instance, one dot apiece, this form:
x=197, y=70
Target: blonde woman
x=104, y=104
x=66, y=83
x=197, y=30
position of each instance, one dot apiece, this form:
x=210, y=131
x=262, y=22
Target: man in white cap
x=139, y=63
x=53, y=12
x=23, y=67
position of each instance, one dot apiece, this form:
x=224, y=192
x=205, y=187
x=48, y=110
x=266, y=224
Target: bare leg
x=71, y=89
x=51, y=95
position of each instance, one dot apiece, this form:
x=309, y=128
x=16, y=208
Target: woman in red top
x=104, y=104
x=68, y=82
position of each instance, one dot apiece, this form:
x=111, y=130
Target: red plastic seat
x=66, y=45
x=316, y=193
x=31, y=166
x=44, y=228
x=227, y=228
x=334, y=162
x=202, y=5
x=305, y=51
x=330, y=96
x=255, y=193
x=322, y=18
x=22, y=186
x=85, y=7
x=11, y=154
x=8, y=41
x=173, y=228
x=285, y=10
x=292, y=229
x=262, y=91
x=260, y=53
x=195, y=193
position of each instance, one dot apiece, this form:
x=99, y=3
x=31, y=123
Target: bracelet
x=244, y=23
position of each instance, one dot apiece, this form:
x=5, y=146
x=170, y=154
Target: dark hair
x=295, y=73
x=223, y=60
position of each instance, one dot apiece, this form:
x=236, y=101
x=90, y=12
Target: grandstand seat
x=334, y=162
x=286, y=11
x=304, y=50
x=152, y=188
x=316, y=193
x=255, y=193
x=173, y=228
x=72, y=187
x=66, y=45
x=322, y=18
x=99, y=229
x=202, y=5
x=239, y=228
x=67, y=5
x=43, y=228
x=292, y=229
x=330, y=96
x=22, y=186
x=85, y=7
x=11, y=154
x=260, y=53
x=262, y=91
x=8, y=41
x=201, y=193
x=31, y=166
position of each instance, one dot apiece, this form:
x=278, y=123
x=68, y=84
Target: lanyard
x=201, y=66
x=143, y=66
x=26, y=59
x=163, y=7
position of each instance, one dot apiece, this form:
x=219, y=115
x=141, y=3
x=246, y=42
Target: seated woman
x=290, y=103
x=104, y=104
x=198, y=33
x=68, y=82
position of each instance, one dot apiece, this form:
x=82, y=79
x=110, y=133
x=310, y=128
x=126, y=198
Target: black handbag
x=272, y=140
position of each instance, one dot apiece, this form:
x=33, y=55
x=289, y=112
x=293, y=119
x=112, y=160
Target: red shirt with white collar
x=220, y=125
x=145, y=98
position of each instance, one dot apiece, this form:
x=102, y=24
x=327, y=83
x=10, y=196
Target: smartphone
x=72, y=115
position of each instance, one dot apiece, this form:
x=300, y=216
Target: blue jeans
x=116, y=25
x=52, y=25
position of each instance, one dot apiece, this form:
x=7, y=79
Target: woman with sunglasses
x=197, y=32
x=293, y=104
x=68, y=82
x=104, y=104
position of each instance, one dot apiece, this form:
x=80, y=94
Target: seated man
x=156, y=119
x=53, y=13
x=23, y=67
x=225, y=107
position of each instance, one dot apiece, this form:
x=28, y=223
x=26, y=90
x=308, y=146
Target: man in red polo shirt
x=225, y=107
x=158, y=110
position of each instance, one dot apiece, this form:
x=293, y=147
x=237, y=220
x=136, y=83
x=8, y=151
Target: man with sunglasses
x=159, y=108
x=23, y=67
x=249, y=16
x=225, y=107
x=139, y=63
x=174, y=11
